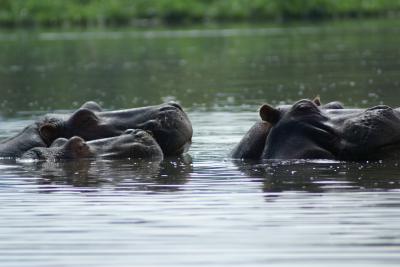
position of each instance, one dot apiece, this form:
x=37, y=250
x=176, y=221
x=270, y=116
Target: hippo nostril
x=140, y=133
x=379, y=107
x=171, y=106
x=130, y=131
x=175, y=105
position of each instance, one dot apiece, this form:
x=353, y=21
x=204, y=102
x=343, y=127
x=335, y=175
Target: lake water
x=203, y=209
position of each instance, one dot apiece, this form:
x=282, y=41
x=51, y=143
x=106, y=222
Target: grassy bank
x=137, y=12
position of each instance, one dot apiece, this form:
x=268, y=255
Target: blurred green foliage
x=124, y=12
x=230, y=69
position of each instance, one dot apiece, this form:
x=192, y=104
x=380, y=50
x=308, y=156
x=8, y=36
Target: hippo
x=309, y=131
x=137, y=144
x=30, y=136
x=168, y=123
x=252, y=144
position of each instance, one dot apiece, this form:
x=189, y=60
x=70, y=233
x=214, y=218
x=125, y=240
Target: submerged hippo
x=131, y=144
x=252, y=144
x=168, y=123
x=30, y=136
x=308, y=131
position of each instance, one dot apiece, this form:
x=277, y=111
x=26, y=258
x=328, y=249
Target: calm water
x=202, y=209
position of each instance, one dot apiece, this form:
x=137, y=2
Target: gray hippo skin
x=168, y=123
x=307, y=131
x=252, y=144
x=30, y=136
x=137, y=144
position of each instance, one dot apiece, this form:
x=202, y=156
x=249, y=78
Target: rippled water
x=203, y=209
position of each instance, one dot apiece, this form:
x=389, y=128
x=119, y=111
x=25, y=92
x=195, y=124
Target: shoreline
x=153, y=13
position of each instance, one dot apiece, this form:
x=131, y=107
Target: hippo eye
x=305, y=107
x=37, y=153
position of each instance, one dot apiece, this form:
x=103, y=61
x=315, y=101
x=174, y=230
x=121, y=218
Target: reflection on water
x=200, y=209
x=323, y=176
x=134, y=175
x=203, y=209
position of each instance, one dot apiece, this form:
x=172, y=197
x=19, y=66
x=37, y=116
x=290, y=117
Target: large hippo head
x=168, y=123
x=28, y=138
x=307, y=131
x=137, y=144
x=31, y=136
x=252, y=144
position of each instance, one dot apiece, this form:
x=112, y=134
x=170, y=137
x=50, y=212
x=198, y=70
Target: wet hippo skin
x=30, y=136
x=168, y=123
x=137, y=144
x=306, y=130
x=252, y=144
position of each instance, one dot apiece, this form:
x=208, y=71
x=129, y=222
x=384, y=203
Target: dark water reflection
x=126, y=175
x=323, y=176
x=203, y=209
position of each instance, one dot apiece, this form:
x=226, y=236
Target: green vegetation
x=356, y=63
x=137, y=12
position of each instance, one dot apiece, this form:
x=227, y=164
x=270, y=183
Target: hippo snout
x=174, y=104
x=379, y=107
x=171, y=106
x=130, y=131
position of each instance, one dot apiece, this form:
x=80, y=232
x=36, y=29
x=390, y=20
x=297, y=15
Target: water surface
x=202, y=209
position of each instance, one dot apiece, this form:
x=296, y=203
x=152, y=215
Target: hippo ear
x=317, y=101
x=49, y=132
x=269, y=114
x=83, y=117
